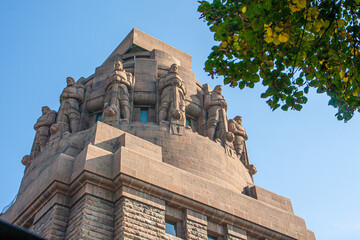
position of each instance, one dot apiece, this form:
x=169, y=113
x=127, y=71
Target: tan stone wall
x=196, y=226
x=117, y=165
x=52, y=224
x=91, y=218
x=234, y=233
x=198, y=155
x=135, y=220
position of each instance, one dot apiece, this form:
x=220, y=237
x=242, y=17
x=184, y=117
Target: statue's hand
x=223, y=104
x=176, y=114
x=111, y=111
x=246, y=137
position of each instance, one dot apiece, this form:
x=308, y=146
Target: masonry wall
x=196, y=226
x=53, y=223
x=118, y=187
x=135, y=220
x=91, y=218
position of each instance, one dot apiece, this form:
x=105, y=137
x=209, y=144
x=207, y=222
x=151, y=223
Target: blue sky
x=308, y=156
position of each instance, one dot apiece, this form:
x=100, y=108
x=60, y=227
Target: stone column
x=195, y=225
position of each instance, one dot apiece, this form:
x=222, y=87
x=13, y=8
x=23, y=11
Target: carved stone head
x=218, y=89
x=45, y=109
x=70, y=81
x=238, y=119
x=174, y=68
x=26, y=159
x=118, y=65
x=54, y=128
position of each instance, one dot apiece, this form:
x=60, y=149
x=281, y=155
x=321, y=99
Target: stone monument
x=117, y=97
x=70, y=99
x=142, y=150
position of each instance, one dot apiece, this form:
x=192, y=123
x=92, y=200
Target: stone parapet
x=136, y=175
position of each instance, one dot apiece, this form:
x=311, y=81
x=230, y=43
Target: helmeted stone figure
x=42, y=128
x=70, y=99
x=172, y=100
x=240, y=135
x=239, y=143
x=117, y=97
x=216, y=108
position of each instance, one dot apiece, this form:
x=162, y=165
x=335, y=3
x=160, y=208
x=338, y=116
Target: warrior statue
x=42, y=128
x=70, y=99
x=172, y=101
x=217, y=124
x=117, y=97
x=239, y=142
x=240, y=135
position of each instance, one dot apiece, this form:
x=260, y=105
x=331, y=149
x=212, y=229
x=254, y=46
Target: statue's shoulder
x=80, y=85
x=231, y=121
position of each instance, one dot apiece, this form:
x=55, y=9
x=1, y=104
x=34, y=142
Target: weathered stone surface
x=196, y=226
x=42, y=128
x=172, y=100
x=117, y=98
x=96, y=181
x=91, y=218
x=135, y=220
x=52, y=225
x=217, y=122
x=70, y=99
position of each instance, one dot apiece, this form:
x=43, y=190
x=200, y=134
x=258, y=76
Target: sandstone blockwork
x=142, y=150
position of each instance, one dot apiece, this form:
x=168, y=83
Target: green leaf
x=312, y=53
x=298, y=94
x=257, y=26
x=242, y=84
x=306, y=89
x=285, y=107
x=297, y=107
x=255, y=78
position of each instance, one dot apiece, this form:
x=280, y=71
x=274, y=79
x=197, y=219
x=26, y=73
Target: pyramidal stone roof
x=148, y=42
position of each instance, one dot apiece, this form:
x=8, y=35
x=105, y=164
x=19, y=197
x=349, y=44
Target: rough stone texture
x=135, y=220
x=121, y=182
x=91, y=218
x=52, y=225
x=196, y=226
x=114, y=158
x=234, y=233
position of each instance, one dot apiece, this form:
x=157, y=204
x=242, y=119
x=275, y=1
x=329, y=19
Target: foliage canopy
x=293, y=45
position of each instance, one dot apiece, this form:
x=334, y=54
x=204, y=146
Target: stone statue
x=240, y=135
x=70, y=99
x=172, y=100
x=239, y=142
x=117, y=97
x=42, y=128
x=217, y=124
